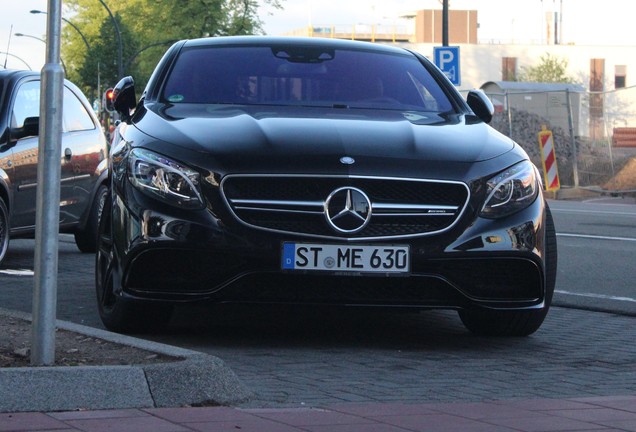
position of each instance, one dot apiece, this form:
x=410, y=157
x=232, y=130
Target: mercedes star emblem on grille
x=348, y=210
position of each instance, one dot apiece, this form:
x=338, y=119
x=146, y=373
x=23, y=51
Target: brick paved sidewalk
x=617, y=413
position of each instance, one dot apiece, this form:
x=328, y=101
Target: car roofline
x=293, y=41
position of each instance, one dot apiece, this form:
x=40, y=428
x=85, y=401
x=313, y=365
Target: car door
x=82, y=150
x=80, y=154
x=6, y=149
x=25, y=104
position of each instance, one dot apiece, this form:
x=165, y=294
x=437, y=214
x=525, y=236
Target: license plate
x=346, y=258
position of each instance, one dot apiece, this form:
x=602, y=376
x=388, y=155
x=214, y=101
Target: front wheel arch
x=86, y=237
x=4, y=228
x=521, y=322
x=117, y=313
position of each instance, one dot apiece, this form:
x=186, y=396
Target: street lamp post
x=120, y=65
x=15, y=56
x=30, y=36
x=88, y=47
x=41, y=40
x=134, y=56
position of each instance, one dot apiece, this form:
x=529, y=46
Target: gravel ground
x=71, y=349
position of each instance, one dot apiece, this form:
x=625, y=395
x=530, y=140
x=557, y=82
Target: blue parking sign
x=447, y=59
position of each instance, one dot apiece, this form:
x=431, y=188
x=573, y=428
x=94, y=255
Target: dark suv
x=83, y=162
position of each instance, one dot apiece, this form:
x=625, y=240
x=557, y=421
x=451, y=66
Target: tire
x=119, y=314
x=4, y=229
x=86, y=238
x=518, y=323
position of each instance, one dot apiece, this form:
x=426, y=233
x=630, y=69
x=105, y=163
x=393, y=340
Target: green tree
x=148, y=28
x=101, y=59
x=549, y=70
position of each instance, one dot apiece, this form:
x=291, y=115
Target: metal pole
x=561, y=22
x=132, y=57
x=120, y=66
x=445, y=23
x=15, y=56
x=41, y=40
x=575, y=163
x=88, y=47
x=48, y=194
x=609, y=139
x=509, y=111
x=99, y=89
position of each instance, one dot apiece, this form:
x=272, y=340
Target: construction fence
x=594, y=133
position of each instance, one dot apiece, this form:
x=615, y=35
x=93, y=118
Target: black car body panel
x=209, y=198
x=321, y=131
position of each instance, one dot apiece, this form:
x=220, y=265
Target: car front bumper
x=170, y=254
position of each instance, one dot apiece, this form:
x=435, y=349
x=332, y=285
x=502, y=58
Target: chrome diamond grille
x=296, y=204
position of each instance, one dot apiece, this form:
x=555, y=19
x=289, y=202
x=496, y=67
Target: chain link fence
x=594, y=133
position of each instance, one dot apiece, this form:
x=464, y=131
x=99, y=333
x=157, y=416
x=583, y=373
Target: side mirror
x=124, y=99
x=481, y=105
x=31, y=127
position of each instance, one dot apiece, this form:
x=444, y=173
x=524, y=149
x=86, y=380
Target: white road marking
x=601, y=212
x=598, y=296
x=18, y=272
x=596, y=237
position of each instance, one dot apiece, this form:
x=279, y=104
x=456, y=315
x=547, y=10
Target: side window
x=27, y=103
x=76, y=118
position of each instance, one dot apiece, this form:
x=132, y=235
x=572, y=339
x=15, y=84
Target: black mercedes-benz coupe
x=320, y=172
x=82, y=167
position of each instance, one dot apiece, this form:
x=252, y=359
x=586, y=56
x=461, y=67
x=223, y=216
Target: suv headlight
x=511, y=190
x=164, y=179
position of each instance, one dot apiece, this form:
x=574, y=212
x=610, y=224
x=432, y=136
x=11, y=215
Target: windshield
x=294, y=76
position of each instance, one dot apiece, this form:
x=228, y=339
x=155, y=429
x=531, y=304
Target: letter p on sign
x=447, y=59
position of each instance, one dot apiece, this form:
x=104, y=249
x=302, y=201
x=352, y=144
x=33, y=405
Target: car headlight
x=511, y=190
x=164, y=179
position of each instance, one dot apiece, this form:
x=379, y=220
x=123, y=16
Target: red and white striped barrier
x=548, y=159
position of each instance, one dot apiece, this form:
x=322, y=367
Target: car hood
x=256, y=136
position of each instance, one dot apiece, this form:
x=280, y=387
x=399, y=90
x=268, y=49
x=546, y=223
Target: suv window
x=27, y=104
x=303, y=76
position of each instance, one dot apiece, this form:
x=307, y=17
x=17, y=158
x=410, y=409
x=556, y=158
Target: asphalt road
x=597, y=251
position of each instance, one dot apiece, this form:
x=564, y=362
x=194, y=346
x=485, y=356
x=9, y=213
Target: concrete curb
x=571, y=193
x=198, y=379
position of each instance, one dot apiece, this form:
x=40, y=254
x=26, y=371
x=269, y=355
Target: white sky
x=585, y=22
